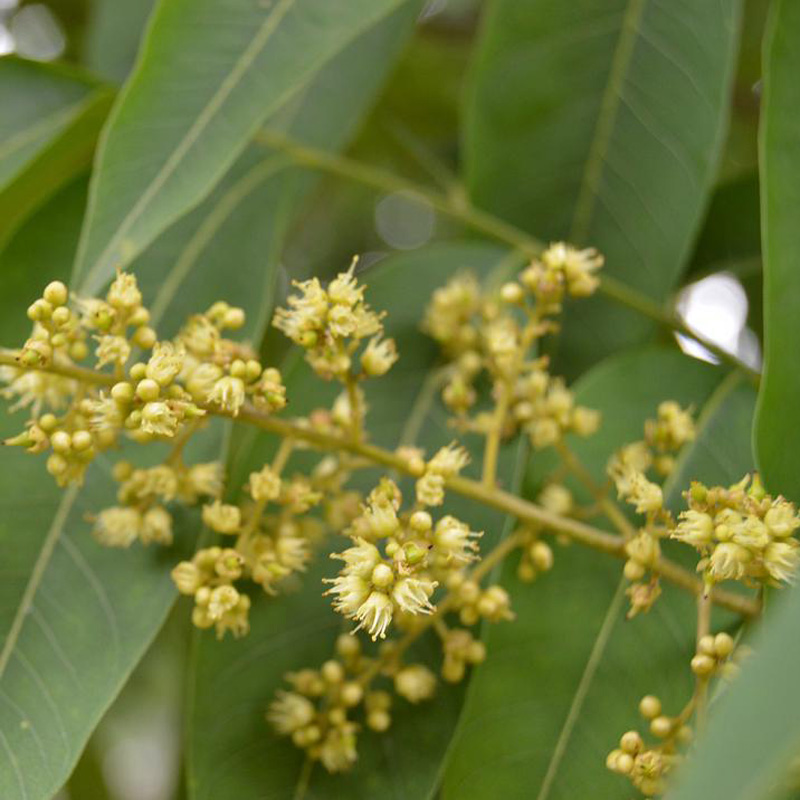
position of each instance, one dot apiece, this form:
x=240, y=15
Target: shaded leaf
x=231, y=65
x=51, y=119
x=544, y=731
x=777, y=437
x=601, y=123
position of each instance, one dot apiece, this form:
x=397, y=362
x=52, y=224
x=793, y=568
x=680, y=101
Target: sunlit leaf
x=602, y=122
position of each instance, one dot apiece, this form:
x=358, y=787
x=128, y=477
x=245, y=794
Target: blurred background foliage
x=414, y=130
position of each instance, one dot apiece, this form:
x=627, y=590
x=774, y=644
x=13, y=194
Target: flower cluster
x=271, y=538
x=496, y=335
x=664, y=436
x=148, y=400
x=143, y=495
x=407, y=570
x=326, y=708
x=330, y=324
x=741, y=532
x=397, y=559
x=647, y=766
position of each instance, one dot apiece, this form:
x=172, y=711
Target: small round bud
x=332, y=671
x=122, y=392
x=541, y=556
x=633, y=570
x=234, y=319
x=511, y=293
x=382, y=576
x=476, y=652
x=238, y=369
x=61, y=316
x=723, y=645
x=703, y=665
x=145, y=337
x=78, y=351
x=379, y=721
x=56, y=465
x=121, y=471
x=253, y=370
x=706, y=646
x=337, y=716
x=81, y=440
x=141, y=316
x=624, y=764
x=612, y=758
x=138, y=371
x=631, y=742
x=526, y=572
x=469, y=592
x=56, y=293
x=661, y=726
x=61, y=442
x=48, y=422
x=351, y=694
x=148, y=390
x=421, y=521
x=649, y=706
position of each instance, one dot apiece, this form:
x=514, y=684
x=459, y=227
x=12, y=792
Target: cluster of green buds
x=397, y=558
x=327, y=707
x=647, y=766
x=496, y=335
x=151, y=399
x=331, y=322
x=271, y=537
x=144, y=495
x=629, y=468
x=741, y=532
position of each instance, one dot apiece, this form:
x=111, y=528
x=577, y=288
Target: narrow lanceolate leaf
x=601, y=122
x=777, y=437
x=233, y=751
x=544, y=732
x=209, y=74
x=50, y=122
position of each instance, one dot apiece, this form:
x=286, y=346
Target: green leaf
x=113, y=35
x=208, y=76
x=543, y=731
x=51, y=119
x=777, y=437
x=233, y=752
x=601, y=122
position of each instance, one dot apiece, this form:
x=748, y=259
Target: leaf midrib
x=30, y=134
x=606, y=120
x=231, y=81
x=252, y=52
x=39, y=569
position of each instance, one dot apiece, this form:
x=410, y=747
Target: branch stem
x=510, y=504
x=457, y=206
